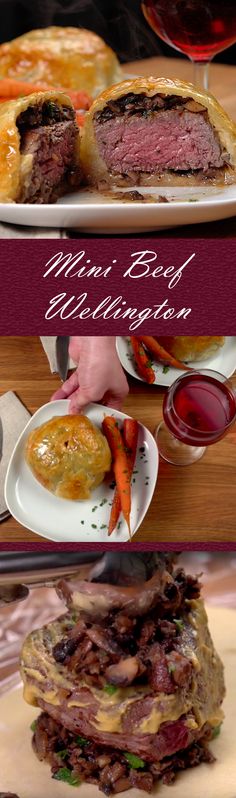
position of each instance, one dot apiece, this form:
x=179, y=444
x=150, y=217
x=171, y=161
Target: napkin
x=14, y=418
x=49, y=344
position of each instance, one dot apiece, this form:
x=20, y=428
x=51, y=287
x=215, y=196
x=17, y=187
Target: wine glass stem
x=201, y=74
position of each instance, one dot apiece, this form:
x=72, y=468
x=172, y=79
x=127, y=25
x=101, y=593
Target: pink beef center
x=177, y=140
x=52, y=149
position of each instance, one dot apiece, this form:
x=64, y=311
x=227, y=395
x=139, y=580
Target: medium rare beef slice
x=52, y=151
x=175, y=139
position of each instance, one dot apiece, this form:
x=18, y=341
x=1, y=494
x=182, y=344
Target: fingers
x=78, y=400
x=67, y=388
x=59, y=394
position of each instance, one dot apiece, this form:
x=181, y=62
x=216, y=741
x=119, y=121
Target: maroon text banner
x=118, y=286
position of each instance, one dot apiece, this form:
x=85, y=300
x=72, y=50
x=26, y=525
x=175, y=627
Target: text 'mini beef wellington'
x=39, y=148
x=151, y=131
x=74, y=58
x=128, y=681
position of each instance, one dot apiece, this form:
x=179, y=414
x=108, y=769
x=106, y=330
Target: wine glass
x=198, y=28
x=198, y=409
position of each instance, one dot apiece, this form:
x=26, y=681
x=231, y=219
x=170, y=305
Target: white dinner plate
x=92, y=212
x=63, y=520
x=224, y=361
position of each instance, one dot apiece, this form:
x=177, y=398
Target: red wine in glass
x=198, y=28
x=198, y=409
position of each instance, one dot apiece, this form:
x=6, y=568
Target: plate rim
x=107, y=205
x=161, y=384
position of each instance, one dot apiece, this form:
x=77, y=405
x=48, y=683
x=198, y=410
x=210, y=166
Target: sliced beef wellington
x=39, y=148
x=158, y=131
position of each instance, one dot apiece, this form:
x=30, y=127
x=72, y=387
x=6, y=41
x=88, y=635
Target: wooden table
x=222, y=85
x=195, y=503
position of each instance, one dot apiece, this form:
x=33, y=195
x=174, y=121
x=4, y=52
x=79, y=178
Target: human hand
x=99, y=377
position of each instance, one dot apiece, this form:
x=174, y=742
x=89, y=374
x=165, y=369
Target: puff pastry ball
x=69, y=456
x=190, y=348
x=74, y=58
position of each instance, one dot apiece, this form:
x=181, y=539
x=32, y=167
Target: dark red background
x=208, y=285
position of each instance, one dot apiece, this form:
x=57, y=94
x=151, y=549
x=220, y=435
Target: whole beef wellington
x=128, y=681
x=151, y=131
x=39, y=148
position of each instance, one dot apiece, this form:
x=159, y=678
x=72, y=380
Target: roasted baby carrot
x=10, y=88
x=130, y=435
x=161, y=354
x=130, y=438
x=80, y=117
x=142, y=360
x=115, y=512
x=120, y=465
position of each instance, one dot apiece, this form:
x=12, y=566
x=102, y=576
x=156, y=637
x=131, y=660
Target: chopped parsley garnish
x=81, y=741
x=165, y=369
x=134, y=761
x=63, y=754
x=179, y=624
x=110, y=689
x=33, y=725
x=94, y=508
x=216, y=731
x=64, y=774
x=94, y=526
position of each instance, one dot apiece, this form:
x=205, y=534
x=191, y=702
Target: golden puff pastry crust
x=15, y=164
x=189, y=348
x=74, y=58
x=69, y=456
x=222, y=129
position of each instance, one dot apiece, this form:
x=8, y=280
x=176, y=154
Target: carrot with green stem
x=142, y=361
x=130, y=438
x=161, y=354
x=120, y=465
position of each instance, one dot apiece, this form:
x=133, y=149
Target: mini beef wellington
x=69, y=456
x=188, y=348
x=39, y=148
x=151, y=131
x=74, y=58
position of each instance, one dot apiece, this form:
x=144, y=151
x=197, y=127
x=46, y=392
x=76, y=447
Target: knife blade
x=62, y=355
